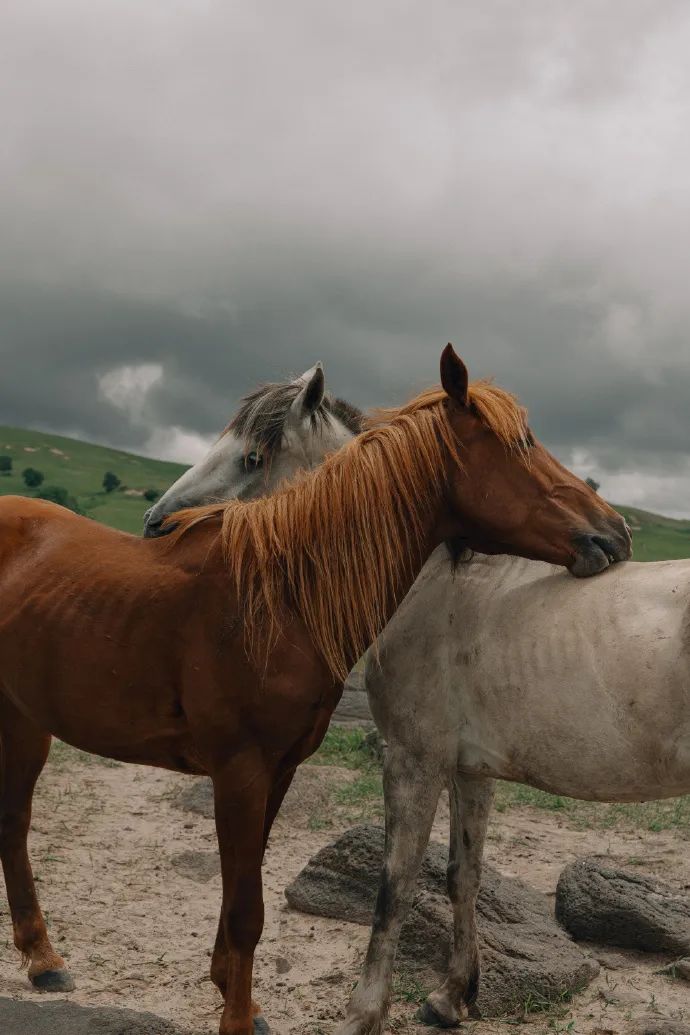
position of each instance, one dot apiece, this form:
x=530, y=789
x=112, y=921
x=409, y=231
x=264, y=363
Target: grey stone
x=197, y=866
x=525, y=954
x=658, y=1026
x=599, y=903
x=353, y=707
x=678, y=969
x=65, y=1018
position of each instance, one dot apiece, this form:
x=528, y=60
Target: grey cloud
x=234, y=191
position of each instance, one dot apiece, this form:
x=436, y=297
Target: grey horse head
x=279, y=429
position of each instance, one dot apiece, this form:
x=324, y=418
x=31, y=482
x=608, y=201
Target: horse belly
x=94, y=689
x=580, y=734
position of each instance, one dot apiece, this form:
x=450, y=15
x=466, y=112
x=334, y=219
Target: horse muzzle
x=595, y=553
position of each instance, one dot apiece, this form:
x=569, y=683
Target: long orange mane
x=331, y=545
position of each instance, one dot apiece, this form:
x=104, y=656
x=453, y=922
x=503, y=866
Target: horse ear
x=454, y=377
x=310, y=396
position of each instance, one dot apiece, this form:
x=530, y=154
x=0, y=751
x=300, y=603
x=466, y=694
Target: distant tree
x=151, y=495
x=32, y=477
x=111, y=481
x=57, y=494
x=5, y=465
x=592, y=484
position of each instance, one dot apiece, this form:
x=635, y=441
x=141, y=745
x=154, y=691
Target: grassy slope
x=657, y=538
x=80, y=466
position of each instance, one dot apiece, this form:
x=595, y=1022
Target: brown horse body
x=220, y=648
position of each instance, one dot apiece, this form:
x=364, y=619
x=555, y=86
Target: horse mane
x=261, y=416
x=302, y=549
x=499, y=410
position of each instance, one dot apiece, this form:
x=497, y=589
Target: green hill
x=657, y=538
x=79, y=467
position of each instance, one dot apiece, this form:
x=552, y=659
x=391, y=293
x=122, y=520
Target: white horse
x=508, y=669
x=279, y=429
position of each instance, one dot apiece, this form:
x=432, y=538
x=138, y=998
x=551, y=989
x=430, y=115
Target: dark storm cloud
x=214, y=194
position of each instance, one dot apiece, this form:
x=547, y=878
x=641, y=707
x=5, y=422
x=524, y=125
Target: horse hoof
x=53, y=981
x=427, y=1015
x=261, y=1026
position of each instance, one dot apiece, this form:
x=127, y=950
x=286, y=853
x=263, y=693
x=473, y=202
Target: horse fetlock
x=440, y=1012
x=362, y=1021
x=219, y=972
x=47, y=970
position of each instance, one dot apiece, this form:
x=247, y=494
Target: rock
x=679, y=969
x=65, y=1018
x=197, y=866
x=599, y=903
x=525, y=954
x=658, y=1026
x=353, y=707
x=283, y=966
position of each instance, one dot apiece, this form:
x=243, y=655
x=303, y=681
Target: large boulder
x=525, y=954
x=599, y=903
x=65, y=1018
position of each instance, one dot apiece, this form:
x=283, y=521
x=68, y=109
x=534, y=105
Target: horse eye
x=253, y=461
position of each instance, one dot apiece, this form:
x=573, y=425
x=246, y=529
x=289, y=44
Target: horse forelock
x=262, y=415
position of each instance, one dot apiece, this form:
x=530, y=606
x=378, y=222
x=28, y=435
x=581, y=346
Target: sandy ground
x=131, y=892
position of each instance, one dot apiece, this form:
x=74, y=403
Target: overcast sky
x=198, y=195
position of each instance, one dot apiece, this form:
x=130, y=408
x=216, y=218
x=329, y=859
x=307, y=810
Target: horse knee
x=244, y=929
x=14, y=826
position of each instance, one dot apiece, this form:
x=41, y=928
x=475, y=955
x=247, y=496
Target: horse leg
x=220, y=961
x=412, y=787
x=24, y=750
x=240, y=807
x=470, y=807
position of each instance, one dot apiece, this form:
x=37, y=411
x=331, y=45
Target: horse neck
x=343, y=547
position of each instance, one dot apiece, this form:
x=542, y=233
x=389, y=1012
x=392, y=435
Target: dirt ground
x=129, y=883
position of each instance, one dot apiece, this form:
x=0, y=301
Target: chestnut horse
x=221, y=649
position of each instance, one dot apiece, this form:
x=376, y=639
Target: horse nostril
x=151, y=527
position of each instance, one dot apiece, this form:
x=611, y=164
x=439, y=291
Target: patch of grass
x=538, y=1003
x=318, y=821
x=344, y=747
x=668, y=814
x=63, y=755
x=408, y=989
x=364, y=788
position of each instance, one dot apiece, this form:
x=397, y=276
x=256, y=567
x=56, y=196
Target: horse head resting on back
x=279, y=429
x=284, y=427
x=222, y=648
